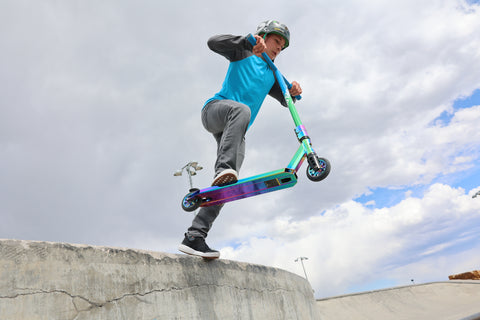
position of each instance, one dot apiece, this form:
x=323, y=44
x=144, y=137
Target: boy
x=229, y=113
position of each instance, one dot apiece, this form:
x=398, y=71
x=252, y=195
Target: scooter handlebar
x=253, y=42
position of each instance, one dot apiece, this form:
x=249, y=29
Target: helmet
x=272, y=26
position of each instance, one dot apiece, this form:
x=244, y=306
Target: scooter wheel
x=322, y=173
x=190, y=204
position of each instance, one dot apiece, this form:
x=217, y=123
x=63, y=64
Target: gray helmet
x=272, y=26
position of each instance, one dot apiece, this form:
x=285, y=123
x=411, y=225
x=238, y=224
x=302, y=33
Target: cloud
x=344, y=242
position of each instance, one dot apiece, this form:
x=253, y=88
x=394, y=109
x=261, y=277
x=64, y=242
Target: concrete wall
x=453, y=300
x=42, y=280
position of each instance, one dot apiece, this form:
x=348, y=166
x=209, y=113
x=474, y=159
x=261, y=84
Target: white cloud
x=352, y=244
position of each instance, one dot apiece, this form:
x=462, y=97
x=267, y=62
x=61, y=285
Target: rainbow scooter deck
x=244, y=188
x=317, y=170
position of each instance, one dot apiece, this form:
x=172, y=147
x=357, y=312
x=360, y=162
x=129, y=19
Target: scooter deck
x=248, y=187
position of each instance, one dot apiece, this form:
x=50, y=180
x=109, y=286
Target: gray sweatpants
x=228, y=121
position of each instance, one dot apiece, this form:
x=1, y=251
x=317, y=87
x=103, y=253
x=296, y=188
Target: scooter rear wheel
x=190, y=204
x=322, y=173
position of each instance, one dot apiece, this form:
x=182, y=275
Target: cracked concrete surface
x=43, y=280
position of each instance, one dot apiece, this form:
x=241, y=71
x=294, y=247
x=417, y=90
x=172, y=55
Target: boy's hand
x=259, y=47
x=295, y=90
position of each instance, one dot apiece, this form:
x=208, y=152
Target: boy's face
x=275, y=44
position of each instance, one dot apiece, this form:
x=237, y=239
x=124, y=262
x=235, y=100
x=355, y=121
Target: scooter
x=317, y=170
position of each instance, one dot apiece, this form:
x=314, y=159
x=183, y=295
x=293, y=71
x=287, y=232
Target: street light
x=301, y=261
x=476, y=194
x=191, y=168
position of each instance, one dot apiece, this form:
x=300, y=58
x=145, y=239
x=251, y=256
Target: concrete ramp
x=456, y=300
x=42, y=280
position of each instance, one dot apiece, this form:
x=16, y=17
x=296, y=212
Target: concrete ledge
x=43, y=280
x=437, y=300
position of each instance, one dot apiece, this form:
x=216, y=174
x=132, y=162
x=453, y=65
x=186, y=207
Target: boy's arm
x=277, y=93
x=232, y=47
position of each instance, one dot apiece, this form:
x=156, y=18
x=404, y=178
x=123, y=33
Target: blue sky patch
x=462, y=103
x=467, y=179
x=387, y=197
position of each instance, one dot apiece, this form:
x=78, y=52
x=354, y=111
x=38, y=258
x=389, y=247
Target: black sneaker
x=198, y=247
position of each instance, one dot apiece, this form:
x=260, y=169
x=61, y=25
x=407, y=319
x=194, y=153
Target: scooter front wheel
x=321, y=173
x=190, y=203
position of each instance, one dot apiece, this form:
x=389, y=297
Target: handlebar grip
x=289, y=86
x=251, y=39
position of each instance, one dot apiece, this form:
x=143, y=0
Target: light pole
x=476, y=194
x=191, y=168
x=301, y=261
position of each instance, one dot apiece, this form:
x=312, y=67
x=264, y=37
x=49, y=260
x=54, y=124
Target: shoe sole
x=185, y=249
x=224, y=179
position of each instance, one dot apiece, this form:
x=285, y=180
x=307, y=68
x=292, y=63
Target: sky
x=100, y=104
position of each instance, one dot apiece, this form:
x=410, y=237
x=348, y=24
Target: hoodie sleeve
x=277, y=93
x=232, y=47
